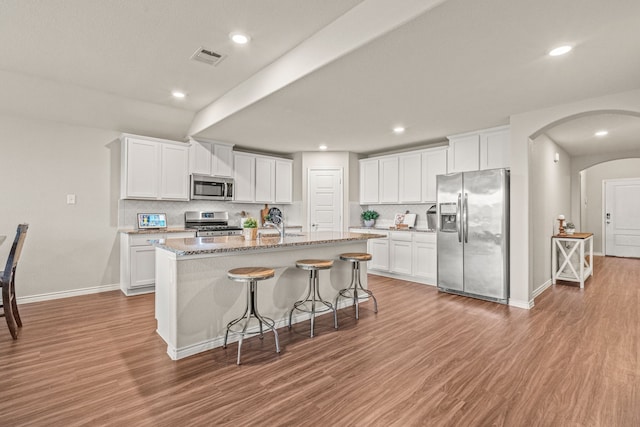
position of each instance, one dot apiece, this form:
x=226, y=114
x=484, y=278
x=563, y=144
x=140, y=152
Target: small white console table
x=563, y=248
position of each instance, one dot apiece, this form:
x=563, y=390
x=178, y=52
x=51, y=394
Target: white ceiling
x=578, y=137
x=460, y=66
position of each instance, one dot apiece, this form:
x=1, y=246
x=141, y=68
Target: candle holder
x=561, y=230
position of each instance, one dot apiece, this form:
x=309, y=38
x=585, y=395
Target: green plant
x=250, y=223
x=369, y=215
x=570, y=225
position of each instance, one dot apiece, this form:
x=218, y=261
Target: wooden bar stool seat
x=351, y=291
x=250, y=276
x=308, y=304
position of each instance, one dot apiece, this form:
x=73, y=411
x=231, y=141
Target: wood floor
x=426, y=358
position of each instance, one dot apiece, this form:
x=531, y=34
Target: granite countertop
x=287, y=226
x=224, y=244
x=419, y=230
x=156, y=230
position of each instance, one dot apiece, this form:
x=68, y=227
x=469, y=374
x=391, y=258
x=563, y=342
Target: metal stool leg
x=353, y=288
x=251, y=310
x=313, y=296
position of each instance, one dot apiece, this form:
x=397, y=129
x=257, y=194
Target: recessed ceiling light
x=560, y=50
x=602, y=133
x=178, y=94
x=398, y=130
x=322, y=147
x=239, y=38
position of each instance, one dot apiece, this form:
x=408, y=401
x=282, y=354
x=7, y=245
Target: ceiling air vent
x=207, y=56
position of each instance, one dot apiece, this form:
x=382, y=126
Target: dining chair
x=8, y=281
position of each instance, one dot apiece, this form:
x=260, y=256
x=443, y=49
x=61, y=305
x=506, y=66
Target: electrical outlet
x=71, y=199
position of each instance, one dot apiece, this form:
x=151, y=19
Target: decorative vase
x=369, y=222
x=569, y=231
x=250, y=233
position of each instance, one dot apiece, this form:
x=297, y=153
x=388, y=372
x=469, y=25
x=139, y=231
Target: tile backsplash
x=388, y=213
x=129, y=209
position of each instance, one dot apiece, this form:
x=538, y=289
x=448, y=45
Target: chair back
x=14, y=254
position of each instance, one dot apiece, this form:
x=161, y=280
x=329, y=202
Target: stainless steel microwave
x=204, y=187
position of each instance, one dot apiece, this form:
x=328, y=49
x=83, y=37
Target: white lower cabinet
x=408, y=255
x=400, y=258
x=425, y=259
x=379, y=250
x=142, y=266
x=138, y=260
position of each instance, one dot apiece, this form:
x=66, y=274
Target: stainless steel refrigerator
x=473, y=234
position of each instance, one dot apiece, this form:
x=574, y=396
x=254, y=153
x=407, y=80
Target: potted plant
x=369, y=217
x=250, y=229
x=570, y=228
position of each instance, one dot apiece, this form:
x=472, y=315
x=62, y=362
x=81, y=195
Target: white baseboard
x=66, y=294
x=598, y=254
x=414, y=279
x=527, y=305
x=190, y=350
x=541, y=289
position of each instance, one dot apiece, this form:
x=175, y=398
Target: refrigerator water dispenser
x=448, y=215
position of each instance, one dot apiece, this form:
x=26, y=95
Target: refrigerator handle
x=465, y=216
x=458, y=224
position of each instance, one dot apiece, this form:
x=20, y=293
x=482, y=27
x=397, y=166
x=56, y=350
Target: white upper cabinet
x=174, y=176
x=369, y=181
x=155, y=169
x=403, y=178
x=410, y=178
x=434, y=163
x=284, y=181
x=265, y=180
x=140, y=167
x=388, y=181
x=200, y=157
x=262, y=179
x=464, y=153
x=211, y=158
x=485, y=149
x=244, y=183
x=495, y=148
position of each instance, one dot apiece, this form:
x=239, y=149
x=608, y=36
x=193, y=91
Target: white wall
x=68, y=246
x=75, y=248
x=523, y=127
x=550, y=196
x=592, y=204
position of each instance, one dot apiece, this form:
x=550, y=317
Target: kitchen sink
x=272, y=235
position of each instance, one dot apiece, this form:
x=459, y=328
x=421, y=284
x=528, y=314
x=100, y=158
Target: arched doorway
x=558, y=153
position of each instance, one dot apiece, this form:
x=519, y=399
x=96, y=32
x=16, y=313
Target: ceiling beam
x=360, y=25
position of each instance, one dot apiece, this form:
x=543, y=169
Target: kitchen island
x=195, y=300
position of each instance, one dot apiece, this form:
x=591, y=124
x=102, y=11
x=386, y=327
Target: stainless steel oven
x=208, y=224
x=204, y=187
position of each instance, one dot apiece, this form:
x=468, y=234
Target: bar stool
x=251, y=275
x=352, y=290
x=313, y=294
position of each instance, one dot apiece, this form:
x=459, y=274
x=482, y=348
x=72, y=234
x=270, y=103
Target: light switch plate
x=71, y=199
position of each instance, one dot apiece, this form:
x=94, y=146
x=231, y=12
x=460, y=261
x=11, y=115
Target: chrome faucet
x=278, y=225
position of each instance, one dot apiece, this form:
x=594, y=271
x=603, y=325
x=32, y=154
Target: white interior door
x=325, y=199
x=622, y=217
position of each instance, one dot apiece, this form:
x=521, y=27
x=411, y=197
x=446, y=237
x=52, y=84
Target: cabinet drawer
x=424, y=237
x=143, y=239
x=404, y=236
